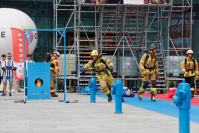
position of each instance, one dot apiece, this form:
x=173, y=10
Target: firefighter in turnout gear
x=149, y=70
x=189, y=67
x=54, y=68
x=102, y=68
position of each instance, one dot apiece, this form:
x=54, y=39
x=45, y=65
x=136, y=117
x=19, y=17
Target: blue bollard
x=182, y=100
x=114, y=88
x=92, y=86
x=118, y=87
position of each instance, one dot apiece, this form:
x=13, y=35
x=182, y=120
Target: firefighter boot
x=153, y=93
x=53, y=94
x=153, y=97
x=109, y=97
x=139, y=96
x=140, y=92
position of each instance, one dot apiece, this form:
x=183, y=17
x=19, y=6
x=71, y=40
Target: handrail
x=163, y=54
x=173, y=46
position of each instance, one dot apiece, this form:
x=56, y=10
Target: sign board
x=38, y=79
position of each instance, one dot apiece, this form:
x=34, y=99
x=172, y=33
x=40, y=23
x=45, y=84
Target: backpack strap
x=147, y=56
x=194, y=63
x=102, y=61
x=93, y=64
x=185, y=62
x=107, y=67
x=147, y=59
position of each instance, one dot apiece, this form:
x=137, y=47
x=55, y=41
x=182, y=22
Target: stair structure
x=123, y=31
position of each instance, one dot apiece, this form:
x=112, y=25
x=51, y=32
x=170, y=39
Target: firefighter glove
x=186, y=74
x=144, y=72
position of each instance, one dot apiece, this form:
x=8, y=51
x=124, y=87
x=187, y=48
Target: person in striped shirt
x=2, y=61
x=8, y=68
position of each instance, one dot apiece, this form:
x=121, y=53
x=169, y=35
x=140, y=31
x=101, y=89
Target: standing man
x=190, y=69
x=54, y=68
x=8, y=74
x=2, y=62
x=149, y=70
x=102, y=67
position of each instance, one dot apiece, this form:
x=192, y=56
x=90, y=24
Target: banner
x=18, y=51
x=18, y=75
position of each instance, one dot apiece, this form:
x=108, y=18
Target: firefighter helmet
x=152, y=46
x=189, y=51
x=56, y=53
x=94, y=53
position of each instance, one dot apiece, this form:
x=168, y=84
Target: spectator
x=3, y=58
x=8, y=74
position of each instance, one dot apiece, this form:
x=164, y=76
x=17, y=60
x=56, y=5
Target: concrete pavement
x=52, y=116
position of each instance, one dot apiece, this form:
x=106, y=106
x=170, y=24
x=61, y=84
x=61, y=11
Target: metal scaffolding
x=122, y=33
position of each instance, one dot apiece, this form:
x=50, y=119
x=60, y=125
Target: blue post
x=65, y=90
x=118, y=96
x=182, y=101
x=92, y=86
x=25, y=68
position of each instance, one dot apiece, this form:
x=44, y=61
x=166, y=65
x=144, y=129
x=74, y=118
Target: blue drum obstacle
x=38, y=81
x=182, y=101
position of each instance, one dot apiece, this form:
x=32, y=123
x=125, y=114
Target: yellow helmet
x=94, y=53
